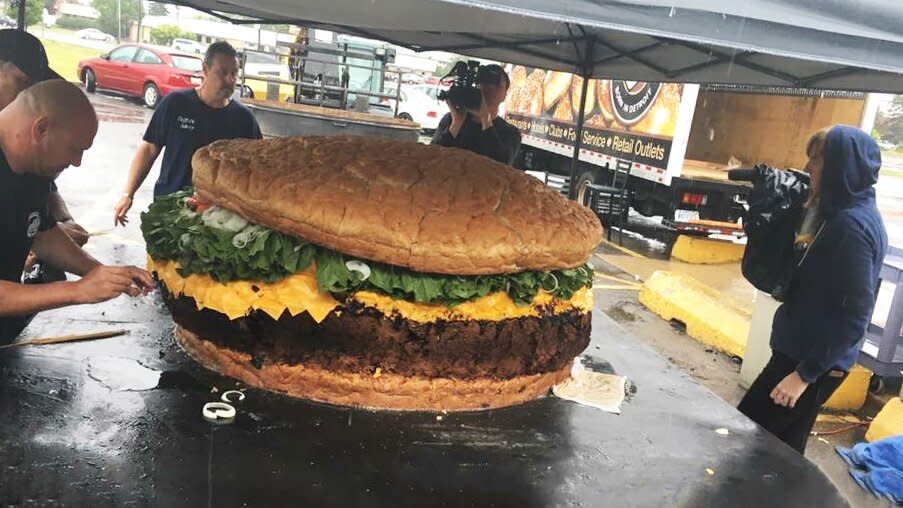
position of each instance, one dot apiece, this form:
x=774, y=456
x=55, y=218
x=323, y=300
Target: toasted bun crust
x=427, y=208
x=388, y=391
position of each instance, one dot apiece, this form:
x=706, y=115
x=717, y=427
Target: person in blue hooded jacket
x=816, y=333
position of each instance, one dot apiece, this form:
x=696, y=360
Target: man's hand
x=122, y=208
x=486, y=112
x=74, y=231
x=789, y=390
x=107, y=282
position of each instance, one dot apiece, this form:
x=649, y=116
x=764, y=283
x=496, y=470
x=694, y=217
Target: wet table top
x=117, y=422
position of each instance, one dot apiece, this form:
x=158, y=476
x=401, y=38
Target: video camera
x=463, y=93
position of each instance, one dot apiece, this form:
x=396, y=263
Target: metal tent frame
x=790, y=43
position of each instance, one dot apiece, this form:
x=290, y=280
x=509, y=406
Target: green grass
x=64, y=57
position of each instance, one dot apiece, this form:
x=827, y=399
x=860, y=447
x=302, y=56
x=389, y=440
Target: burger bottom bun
x=376, y=391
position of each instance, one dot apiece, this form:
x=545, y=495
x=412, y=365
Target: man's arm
x=852, y=299
x=60, y=213
x=25, y=299
x=141, y=165
x=100, y=284
x=56, y=207
x=57, y=249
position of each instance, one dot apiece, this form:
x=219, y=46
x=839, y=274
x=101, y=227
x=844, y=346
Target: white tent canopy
x=829, y=44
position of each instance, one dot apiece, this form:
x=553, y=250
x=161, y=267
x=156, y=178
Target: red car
x=141, y=70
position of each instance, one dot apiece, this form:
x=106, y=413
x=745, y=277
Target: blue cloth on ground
x=877, y=467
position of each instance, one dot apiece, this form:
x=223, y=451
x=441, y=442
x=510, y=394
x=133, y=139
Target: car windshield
x=260, y=58
x=186, y=63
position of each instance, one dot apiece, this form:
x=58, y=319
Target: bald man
x=43, y=131
x=23, y=62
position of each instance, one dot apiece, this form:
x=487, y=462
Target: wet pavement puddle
x=122, y=374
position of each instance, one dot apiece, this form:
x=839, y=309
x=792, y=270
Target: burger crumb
x=378, y=372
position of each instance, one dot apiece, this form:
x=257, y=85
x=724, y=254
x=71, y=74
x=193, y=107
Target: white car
x=93, y=34
x=188, y=46
x=415, y=79
x=419, y=106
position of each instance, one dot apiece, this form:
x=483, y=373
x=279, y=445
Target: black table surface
x=117, y=422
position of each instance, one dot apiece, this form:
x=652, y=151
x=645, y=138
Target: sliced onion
x=220, y=218
x=247, y=235
x=218, y=411
x=556, y=284
x=188, y=212
x=239, y=396
x=184, y=240
x=356, y=265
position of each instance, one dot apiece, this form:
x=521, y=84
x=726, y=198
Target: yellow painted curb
x=888, y=422
x=703, y=251
x=852, y=392
x=708, y=316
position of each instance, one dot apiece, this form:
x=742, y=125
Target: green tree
x=107, y=11
x=33, y=11
x=157, y=9
x=443, y=69
x=889, y=122
x=164, y=34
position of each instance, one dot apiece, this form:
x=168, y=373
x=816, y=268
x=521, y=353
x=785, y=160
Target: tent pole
x=585, y=72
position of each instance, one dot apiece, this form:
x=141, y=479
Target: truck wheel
x=405, y=116
x=90, y=81
x=646, y=207
x=582, y=195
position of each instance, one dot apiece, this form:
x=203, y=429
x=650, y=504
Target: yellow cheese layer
x=298, y=293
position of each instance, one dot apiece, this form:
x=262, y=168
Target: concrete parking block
x=707, y=315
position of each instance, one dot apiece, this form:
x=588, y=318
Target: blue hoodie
x=832, y=296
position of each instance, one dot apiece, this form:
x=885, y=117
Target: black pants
x=790, y=425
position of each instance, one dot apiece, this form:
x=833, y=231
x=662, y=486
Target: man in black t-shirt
x=23, y=62
x=43, y=131
x=186, y=121
x=482, y=131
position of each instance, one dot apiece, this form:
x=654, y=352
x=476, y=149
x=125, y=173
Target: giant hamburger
x=374, y=273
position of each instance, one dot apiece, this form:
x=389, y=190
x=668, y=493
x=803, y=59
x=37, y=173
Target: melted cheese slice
x=298, y=293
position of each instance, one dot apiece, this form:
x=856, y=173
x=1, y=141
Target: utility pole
x=140, y=16
x=21, y=15
x=118, y=20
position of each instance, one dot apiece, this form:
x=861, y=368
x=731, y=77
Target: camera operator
x=482, y=130
x=816, y=333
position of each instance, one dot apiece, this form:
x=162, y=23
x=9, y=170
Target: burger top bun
x=425, y=207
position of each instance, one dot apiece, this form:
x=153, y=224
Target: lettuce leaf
x=173, y=231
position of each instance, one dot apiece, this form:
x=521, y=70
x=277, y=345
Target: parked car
x=7, y=22
x=431, y=90
x=141, y=70
x=417, y=105
x=257, y=63
x=93, y=34
x=188, y=46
